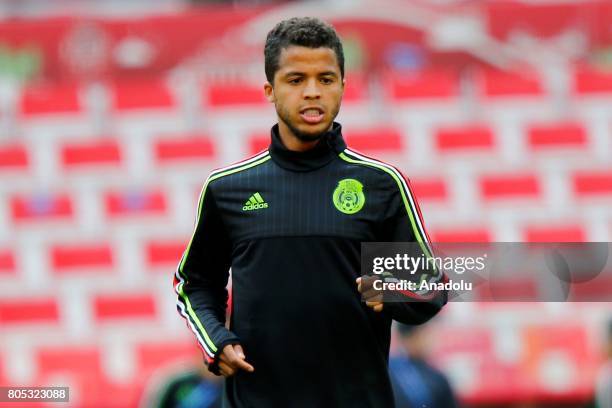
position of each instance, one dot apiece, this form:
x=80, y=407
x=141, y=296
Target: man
x=416, y=383
x=603, y=383
x=289, y=222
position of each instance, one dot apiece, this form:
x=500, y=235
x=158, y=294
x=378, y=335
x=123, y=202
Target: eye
x=327, y=81
x=295, y=81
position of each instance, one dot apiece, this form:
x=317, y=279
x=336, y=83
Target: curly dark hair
x=302, y=31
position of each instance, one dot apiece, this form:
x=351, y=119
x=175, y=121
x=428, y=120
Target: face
x=306, y=91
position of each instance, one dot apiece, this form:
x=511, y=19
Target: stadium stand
x=98, y=206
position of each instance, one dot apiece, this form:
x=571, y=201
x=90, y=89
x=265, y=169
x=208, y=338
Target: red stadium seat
x=142, y=94
x=7, y=262
x=431, y=189
x=574, y=233
x=460, y=340
x=234, y=94
x=569, y=341
x=375, y=140
x=593, y=183
x=40, y=207
x=120, y=204
x=258, y=142
x=473, y=137
x=462, y=235
x=559, y=135
x=122, y=395
x=594, y=290
x=80, y=360
x=433, y=84
x=102, y=152
x=539, y=19
x=29, y=311
x=509, y=186
x=80, y=368
x=153, y=356
x=355, y=89
x=509, y=289
x=75, y=366
x=184, y=148
x=81, y=257
x=494, y=84
x=50, y=99
x=13, y=157
x=592, y=81
x=120, y=307
x=164, y=253
x=86, y=387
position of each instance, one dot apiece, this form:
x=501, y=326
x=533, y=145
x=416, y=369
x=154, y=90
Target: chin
x=317, y=129
x=309, y=136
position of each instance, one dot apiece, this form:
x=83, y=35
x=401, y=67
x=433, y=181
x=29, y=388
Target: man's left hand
x=373, y=297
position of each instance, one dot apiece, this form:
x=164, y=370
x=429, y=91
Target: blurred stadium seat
x=141, y=94
x=14, y=157
x=175, y=149
x=42, y=99
x=425, y=85
x=121, y=204
x=557, y=136
x=29, y=311
x=41, y=206
x=79, y=258
x=589, y=80
x=509, y=187
x=118, y=307
x=475, y=137
x=379, y=140
x=508, y=84
x=90, y=153
x=562, y=233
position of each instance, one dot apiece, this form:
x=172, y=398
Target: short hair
x=301, y=31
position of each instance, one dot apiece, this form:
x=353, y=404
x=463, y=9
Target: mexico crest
x=348, y=196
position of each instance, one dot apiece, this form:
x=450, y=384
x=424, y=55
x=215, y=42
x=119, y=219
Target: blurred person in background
x=603, y=386
x=417, y=383
x=193, y=387
x=289, y=222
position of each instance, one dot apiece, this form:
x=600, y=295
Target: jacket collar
x=329, y=146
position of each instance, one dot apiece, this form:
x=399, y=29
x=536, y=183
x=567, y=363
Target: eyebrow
x=297, y=73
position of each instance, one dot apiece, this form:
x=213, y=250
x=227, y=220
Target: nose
x=311, y=91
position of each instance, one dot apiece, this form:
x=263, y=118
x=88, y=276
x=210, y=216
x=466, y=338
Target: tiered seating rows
x=432, y=84
x=475, y=137
x=46, y=310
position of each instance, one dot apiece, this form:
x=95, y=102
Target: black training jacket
x=289, y=225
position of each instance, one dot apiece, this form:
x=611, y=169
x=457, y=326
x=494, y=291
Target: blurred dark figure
x=192, y=388
x=239, y=2
x=603, y=386
x=416, y=383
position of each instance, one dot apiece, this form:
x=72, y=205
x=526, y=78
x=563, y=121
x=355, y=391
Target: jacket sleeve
x=201, y=278
x=403, y=223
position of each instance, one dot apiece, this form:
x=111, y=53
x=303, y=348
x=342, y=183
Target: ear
x=269, y=92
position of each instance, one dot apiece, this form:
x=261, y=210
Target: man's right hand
x=232, y=359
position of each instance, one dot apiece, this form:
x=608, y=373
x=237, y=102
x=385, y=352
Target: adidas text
x=257, y=206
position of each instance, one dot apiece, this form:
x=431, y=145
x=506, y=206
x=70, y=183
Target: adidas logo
x=256, y=202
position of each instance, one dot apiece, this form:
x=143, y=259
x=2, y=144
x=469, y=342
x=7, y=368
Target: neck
x=291, y=141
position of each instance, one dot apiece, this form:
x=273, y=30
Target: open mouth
x=312, y=115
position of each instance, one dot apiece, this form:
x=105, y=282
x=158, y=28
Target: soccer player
x=417, y=383
x=289, y=222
